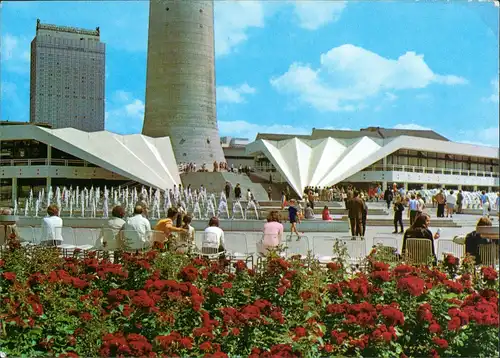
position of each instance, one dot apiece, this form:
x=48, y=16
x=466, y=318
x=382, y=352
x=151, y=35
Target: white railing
x=44, y=161
x=430, y=170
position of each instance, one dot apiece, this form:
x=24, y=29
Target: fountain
x=238, y=209
x=210, y=209
x=251, y=207
x=37, y=207
x=105, y=209
x=82, y=207
x=196, y=210
x=223, y=211
x=26, y=205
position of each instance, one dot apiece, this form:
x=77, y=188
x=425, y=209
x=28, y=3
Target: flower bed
x=162, y=304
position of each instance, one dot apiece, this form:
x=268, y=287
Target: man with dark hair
x=137, y=231
x=237, y=192
x=355, y=206
x=388, y=197
x=142, y=202
x=441, y=201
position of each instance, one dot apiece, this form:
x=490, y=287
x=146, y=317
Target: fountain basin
x=8, y=219
x=225, y=224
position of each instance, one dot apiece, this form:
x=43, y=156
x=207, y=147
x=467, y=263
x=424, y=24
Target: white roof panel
x=149, y=161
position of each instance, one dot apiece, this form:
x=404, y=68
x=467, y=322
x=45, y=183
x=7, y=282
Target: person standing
x=269, y=193
x=310, y=198
x=398, y=215
x=249, y=195
x=388, y=197
x=227, y=189
x=293, y=216
x=460, y=200
x=413, y=207
x=485, y=203
x=364, y=216
x=237, y=192
x=421, y=204
x=450, y=204
x=441, y=200
x=355, y=207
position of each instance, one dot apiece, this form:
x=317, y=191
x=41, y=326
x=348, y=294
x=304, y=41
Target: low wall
x=226, y=225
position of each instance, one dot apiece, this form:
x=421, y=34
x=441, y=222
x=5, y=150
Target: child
x=293, y=216
x=398, y=215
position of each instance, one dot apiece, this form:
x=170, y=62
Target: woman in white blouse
x=213, y=240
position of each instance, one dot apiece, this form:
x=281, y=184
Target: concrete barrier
x=226, y=225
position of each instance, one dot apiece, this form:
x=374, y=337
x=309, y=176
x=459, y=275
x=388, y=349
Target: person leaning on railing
x=168, y=227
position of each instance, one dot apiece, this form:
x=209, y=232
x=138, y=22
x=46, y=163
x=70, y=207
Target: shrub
x=163, y=304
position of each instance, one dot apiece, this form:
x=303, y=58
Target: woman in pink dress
x=273, y=232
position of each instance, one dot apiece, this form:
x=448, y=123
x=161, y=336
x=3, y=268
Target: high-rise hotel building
x=67, y=77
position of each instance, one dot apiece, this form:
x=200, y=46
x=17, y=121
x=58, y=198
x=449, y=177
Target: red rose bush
x=160, y=304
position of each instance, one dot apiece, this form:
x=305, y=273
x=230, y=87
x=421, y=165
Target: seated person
x=272, y=233
x=136, y=232
x=187, y=238
x=52, y=227
x=168, y=227
x=213, y=239
x=309, y=212
x=420, y=230
x=474, y=239
x=325, y=214
x=108, y=238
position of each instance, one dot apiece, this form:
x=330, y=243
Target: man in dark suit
x=388, y=197
x=356, y=207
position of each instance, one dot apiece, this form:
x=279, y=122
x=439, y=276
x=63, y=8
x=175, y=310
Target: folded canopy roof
x=149, y=161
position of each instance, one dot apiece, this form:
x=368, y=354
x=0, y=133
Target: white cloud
x=496, y=92
x=232, y=20
x=390, y=96
x=249, y=130
x=314, y=14
x=226, y=94
x=412, y=126
x=480, y=136
x=349, y=74
x=125, y=113
x=15, y=56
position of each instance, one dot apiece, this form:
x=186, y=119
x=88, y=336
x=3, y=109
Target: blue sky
x=287, y=66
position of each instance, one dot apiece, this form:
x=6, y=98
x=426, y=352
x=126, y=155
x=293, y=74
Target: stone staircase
x=215, y=182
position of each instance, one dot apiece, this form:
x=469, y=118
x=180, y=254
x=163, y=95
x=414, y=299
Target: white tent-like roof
x=149, y=161
x=328, y=161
